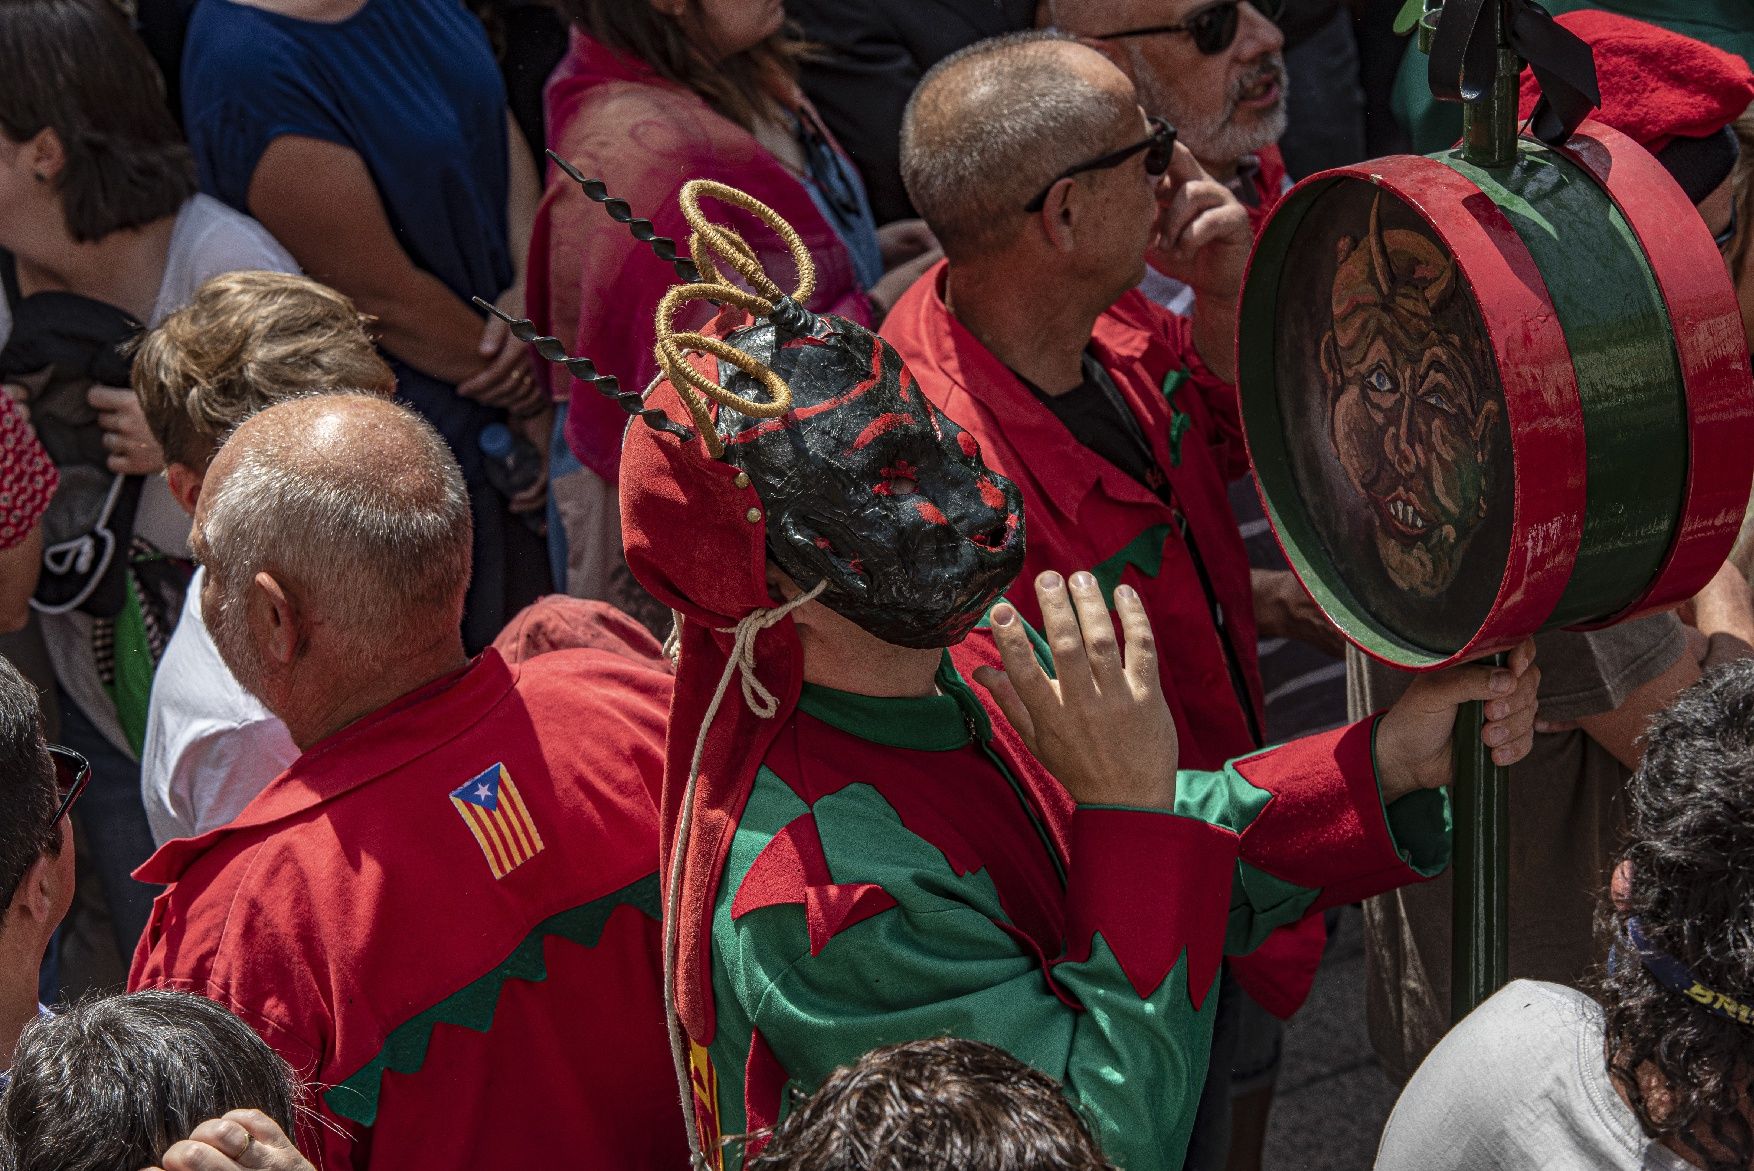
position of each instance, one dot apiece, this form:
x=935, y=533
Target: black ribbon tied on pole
x=1464, y=61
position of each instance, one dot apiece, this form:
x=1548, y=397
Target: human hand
x=903, y=240
x=244, y=1140
x=1724, y=606
x=20, y=396
x=538, y=428
x=1202, y=236
x=508, y=380
x=1284, y=609
x=1102, y=726
x=1414, y=739
x=898, y=280
x=133, y=450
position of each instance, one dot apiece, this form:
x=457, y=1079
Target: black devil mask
x=871, y=487
x=868, y=487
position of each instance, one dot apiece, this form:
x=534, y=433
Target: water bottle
x=513, y=465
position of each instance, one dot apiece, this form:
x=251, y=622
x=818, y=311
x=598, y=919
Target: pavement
x=1332, y=1098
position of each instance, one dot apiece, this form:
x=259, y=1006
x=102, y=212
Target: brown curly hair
x=943, y=1104
x=1685, y=1070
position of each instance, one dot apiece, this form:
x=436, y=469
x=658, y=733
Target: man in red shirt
x=1114, y=416
x=444, y=913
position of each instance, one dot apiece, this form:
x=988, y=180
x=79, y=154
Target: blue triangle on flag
x=482, y=790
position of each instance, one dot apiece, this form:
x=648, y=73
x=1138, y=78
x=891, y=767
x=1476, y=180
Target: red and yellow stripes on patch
x=499, y=820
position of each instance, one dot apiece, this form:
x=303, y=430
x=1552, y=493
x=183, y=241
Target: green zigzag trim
x=472, y=1007
x=1144, y=551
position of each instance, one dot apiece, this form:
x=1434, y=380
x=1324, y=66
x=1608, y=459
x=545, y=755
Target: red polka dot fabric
x=27, y=478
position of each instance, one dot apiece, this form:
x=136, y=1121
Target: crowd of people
x=648, y=583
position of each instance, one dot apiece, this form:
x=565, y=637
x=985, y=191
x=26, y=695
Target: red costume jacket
x=1082, y=512
x=445, y=918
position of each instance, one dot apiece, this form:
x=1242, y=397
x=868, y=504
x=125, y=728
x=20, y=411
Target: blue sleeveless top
x=409, y=85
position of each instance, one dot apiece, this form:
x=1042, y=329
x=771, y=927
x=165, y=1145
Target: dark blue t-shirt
x=409, y=85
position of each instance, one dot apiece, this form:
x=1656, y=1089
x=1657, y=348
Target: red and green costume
x=1085, y=512
x=445, y=918
x=858, y=871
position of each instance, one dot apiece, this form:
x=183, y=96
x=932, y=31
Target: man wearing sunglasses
x=38, y=784
x=1215, y=70
x=1114, y=416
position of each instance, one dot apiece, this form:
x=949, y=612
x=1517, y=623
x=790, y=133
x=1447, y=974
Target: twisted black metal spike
x=582, y=369
x=622, y=213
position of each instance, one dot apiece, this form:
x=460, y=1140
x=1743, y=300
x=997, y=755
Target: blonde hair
x=246, y=341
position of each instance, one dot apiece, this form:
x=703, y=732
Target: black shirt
x=1095, y=414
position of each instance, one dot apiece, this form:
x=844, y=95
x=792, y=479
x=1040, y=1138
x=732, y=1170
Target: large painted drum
x=1485, y=403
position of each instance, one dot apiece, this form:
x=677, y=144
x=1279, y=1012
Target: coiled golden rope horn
x=712, y=245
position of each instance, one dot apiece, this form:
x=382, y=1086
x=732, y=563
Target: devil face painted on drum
x=1412, y=419
x=870, y=486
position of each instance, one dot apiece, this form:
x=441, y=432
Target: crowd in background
x=244, y=246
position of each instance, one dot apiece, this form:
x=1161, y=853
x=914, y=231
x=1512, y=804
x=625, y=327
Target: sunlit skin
x=1410, y=423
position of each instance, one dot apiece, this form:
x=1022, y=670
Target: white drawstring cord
x=763, y=703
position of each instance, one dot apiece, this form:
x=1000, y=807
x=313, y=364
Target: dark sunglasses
x=1213, y=27
x=72, y=773
x=1158, y=146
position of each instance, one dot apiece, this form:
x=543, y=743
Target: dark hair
x=111, y=1082
x=27, y=782
x=738, y=86
x=938, y=1105
x=75, y=67
x=1691, y=849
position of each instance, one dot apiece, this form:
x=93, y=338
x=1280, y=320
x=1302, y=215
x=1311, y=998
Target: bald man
x=1114, y=416
x=443, y=914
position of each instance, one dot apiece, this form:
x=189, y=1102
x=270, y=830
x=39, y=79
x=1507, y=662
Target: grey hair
x=383, y=547
x=111, y=1082
x=990, y=126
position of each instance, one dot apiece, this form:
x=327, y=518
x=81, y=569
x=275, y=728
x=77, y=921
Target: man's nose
x=1256, y=36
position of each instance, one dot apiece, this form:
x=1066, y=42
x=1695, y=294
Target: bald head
x=350, y=501
x=992, y=125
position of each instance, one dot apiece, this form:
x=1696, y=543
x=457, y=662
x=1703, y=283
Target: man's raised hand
x=1101, y=726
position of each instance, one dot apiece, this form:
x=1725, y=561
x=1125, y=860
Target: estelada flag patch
x=493, y=809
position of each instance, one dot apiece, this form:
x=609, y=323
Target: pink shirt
x=596, y=288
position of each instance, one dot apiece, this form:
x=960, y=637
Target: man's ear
x=41, y=896
x=1061, y=216
x=48, y=155
x=185, y=485
x=279, y=621
x=1620, y=886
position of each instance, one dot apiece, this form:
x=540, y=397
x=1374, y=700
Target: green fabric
x=938, y=964
x=1179, y=420
x=1435, y=125
x=472, y=1006
x=1144, y=553
x=133, y=657
x=923, y=723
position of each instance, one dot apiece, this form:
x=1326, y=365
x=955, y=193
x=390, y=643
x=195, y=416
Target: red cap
x=1657, y=85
